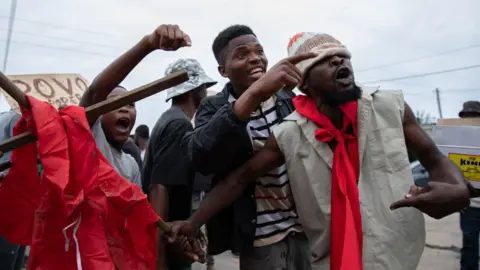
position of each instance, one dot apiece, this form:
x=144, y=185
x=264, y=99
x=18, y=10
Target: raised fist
x=168, y=37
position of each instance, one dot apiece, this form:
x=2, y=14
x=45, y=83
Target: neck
x=188, y=108
x=334, y=113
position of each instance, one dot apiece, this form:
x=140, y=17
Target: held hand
x=187, y=248
x=168, y=38
x=181, y=228
x=283, y=75
x=188, y=240
x=436, y=199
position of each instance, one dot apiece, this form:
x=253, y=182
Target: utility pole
x=13, y=10
x=439, y=104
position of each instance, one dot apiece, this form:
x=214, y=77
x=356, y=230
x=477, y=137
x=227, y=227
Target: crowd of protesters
x=319, y=180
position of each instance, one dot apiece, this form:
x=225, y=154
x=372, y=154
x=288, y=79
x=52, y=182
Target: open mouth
x=123, y=124
x=344, y=76
x=256, y=72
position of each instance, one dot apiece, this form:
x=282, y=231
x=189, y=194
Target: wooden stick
x=13, y=91
x=93, y=111
x=5, y=165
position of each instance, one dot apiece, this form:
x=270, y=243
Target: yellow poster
x=469, y=165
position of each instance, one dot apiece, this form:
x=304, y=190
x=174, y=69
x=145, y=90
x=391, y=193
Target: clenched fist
x=168, y=37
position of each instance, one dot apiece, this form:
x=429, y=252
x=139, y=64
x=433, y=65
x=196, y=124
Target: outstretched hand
x=436, y=199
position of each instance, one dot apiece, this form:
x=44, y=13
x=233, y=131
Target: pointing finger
x=295, y=59
x=407, y=202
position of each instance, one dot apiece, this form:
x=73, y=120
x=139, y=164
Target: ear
x=221, y=70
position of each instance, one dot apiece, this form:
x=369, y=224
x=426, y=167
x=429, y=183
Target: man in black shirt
x=168, y=175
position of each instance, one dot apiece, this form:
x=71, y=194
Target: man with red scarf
x=345, y=149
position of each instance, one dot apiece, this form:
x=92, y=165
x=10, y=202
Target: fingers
x=415, y=197
x=197, y=249
x=407, y=202
x=171, y=38
x=291, y=76
x=295, y=59
x=173, y=235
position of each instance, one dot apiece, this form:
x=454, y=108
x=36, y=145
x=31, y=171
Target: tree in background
x=424, y=118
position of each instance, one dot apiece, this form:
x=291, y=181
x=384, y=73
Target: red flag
x=81, y=214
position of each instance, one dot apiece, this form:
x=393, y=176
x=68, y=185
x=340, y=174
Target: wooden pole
x=93, y=111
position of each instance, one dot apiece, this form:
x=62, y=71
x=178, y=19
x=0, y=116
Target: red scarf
x=346, y=221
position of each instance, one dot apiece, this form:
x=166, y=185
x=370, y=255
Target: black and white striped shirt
x=276, y=213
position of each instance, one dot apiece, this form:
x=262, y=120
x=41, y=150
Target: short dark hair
x=143, y=131
x=224, y=37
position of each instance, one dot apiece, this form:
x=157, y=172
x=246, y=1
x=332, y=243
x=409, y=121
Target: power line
x=419, y=58
x=448, y=91
x=64, y=39
x=60, y=48
x=65, y=27
x=424, y=74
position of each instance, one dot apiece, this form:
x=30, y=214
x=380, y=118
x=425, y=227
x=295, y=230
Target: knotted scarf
x=346, y=222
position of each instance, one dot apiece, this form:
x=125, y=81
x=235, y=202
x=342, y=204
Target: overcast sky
x=59, y=36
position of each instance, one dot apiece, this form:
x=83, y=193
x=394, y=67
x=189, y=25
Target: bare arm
x=439, y=167
x=159, y=201
x=165, y=37
x=227, y=191
x=447, y=191
x=115, y=73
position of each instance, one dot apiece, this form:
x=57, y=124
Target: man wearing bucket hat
x=345, y=150
x=168, y=175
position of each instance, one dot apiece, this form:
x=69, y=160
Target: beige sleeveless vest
x=392, y=240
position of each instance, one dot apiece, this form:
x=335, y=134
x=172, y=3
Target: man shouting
x=345, y=149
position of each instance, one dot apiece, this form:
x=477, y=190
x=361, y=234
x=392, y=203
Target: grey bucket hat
x=470, y=107
x=196, y=74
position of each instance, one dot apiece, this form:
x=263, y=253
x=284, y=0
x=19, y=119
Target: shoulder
x=388, y=104
x=389, y=96
x=213, y=103
x=129, y=165
x=286, y=132
x=170, y=127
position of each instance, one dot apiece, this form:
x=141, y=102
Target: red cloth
x=346, y=221
x=81, y=214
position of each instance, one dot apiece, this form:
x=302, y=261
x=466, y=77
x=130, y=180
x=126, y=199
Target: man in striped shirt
x=276, y=214
x=262, y=223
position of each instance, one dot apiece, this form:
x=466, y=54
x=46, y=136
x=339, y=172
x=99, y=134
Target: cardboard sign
x=57, y=89
x=459, y=122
